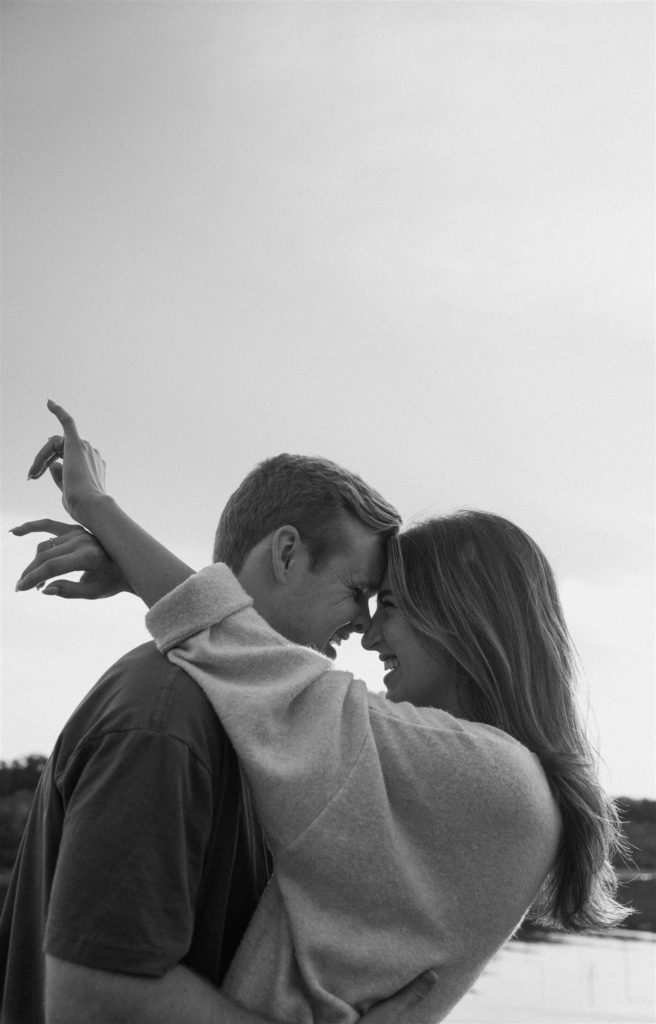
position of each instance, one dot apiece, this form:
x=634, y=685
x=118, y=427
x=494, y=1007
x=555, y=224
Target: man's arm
x=82, y=995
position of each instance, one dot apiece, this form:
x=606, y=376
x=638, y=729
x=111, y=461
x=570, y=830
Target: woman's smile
x=414, y=671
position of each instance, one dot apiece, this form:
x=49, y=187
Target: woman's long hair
x=478, y=589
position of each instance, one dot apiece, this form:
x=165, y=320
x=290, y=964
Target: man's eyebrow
x=366, y=586
x=368, y=589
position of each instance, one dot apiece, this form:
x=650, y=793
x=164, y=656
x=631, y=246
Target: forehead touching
x=385, y=583
x=360, y=555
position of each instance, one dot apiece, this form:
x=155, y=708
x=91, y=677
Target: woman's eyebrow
x=384, y=593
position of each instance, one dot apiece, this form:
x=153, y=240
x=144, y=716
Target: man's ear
x=286, y=549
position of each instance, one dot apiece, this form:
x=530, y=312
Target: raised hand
x=70, y=549
x=81, y=476
x=151, y=569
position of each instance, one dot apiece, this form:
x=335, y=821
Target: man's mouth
x=390, y=662
x=335, y=641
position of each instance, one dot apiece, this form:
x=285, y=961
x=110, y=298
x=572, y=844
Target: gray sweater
x=403, y=838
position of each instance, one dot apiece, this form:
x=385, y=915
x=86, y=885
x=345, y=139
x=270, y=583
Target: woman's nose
x=372, y=634
x=362, y=621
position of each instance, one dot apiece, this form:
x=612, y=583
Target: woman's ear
x=286, y=548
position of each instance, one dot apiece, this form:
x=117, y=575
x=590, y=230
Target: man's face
x=324, y=606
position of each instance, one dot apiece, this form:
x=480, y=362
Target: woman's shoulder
x=468, y=787
x=485, y=760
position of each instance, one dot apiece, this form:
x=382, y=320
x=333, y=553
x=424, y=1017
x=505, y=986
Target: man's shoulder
x=144, y=692
x=143, y=677
x=143, y=665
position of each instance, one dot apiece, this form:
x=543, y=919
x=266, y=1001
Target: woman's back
x=403, y=838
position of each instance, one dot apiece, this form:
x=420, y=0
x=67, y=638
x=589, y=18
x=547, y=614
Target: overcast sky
x=416, y=238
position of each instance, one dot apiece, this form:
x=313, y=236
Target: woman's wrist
x=92, y=510
x=149, y=568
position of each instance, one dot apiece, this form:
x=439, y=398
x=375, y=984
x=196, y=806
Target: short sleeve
x=137, y=820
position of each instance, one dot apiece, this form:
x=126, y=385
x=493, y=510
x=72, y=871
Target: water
x=568, y=980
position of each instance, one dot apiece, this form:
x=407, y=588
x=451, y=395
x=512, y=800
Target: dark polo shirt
x=135, y=856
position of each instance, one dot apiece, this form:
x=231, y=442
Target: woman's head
x=481, y=598
x=470, y=605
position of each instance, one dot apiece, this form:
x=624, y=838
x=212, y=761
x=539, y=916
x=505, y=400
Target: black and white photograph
x=328, y=595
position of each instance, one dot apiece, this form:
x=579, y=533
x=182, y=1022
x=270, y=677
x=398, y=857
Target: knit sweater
x=403, y=838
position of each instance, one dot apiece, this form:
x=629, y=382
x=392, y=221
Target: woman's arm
x=150, y=569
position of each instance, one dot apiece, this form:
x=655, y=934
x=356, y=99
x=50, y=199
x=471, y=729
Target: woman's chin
x=392, y=685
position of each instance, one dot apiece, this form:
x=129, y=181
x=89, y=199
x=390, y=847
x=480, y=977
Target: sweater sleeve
x=297, y=725
x=403, y=838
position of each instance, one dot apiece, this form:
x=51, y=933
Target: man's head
x=307, y=540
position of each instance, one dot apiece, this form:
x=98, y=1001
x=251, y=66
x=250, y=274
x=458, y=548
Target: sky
x=415, y=238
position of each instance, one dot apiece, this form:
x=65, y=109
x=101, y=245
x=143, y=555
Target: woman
x=407, y=834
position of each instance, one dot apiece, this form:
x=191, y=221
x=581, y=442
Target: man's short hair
x=312, y=494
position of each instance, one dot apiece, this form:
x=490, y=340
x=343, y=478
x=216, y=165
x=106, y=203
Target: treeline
x=23, y=774
x=19, y=779
x=639, y=825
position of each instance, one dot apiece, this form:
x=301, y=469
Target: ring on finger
x=58, y=446
x=52, y=543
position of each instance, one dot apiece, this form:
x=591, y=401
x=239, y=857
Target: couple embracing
x=230, y=830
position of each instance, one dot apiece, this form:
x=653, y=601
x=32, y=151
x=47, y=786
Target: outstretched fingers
x=53, y=449
x=51, y=452
x=67, y=550
x=84, y=590
x=35, y=575
x=54, y=559
x=54, y=526
x=70, y=548
x=66, y=420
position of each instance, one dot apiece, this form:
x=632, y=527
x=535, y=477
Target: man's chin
x=328, y=650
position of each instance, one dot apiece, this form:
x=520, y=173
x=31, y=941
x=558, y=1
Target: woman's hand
x=81, y=476
x=70, y=549
x=150, y=569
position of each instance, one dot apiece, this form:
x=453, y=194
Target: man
x=142, y=862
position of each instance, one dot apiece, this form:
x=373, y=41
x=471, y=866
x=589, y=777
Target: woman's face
x=414, y=673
